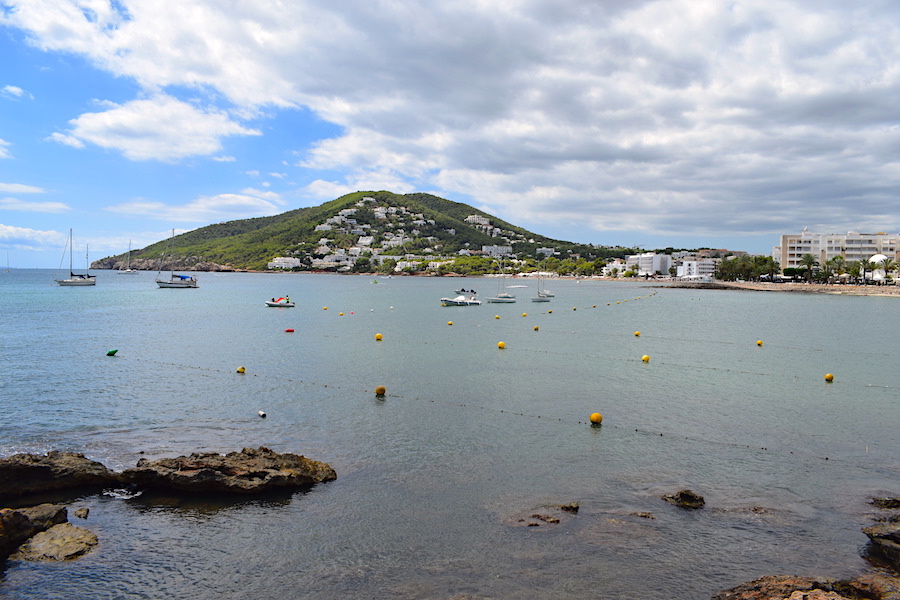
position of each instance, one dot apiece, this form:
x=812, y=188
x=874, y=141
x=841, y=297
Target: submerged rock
x=61, y=542
x=248, y=471
x=685, y=499
x=25, y=474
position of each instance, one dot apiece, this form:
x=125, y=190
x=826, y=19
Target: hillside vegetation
x=390, y=224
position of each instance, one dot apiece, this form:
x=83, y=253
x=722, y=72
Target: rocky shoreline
x=43, y=532
x=798, y=288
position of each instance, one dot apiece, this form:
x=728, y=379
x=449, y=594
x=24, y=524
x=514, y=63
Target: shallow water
x=434, y=478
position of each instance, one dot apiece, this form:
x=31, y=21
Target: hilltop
x=376, y=226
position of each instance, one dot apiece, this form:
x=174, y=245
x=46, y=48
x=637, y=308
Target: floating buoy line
x=590, y=419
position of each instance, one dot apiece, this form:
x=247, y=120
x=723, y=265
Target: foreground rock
x=26, y=474
x=248, y=471
x=16, y=526
x=886, y=537
x=871, y=586
x=61, y=542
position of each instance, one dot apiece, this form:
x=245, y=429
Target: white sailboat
x=77, y=278
x=174, y=280
x=543, y=294
x=127, y=270
x=502, y=297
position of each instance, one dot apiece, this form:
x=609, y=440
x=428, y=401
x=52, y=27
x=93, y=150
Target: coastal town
x=373, y=236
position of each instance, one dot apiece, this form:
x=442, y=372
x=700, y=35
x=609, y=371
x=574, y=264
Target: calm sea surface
x=438, y=479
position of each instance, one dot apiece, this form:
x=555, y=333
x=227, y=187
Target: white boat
x=502, y=297
x=175, y=280
x=460, y=301
x=543, y=294
x=284, y=302
x=77, y=278
x=127, y=270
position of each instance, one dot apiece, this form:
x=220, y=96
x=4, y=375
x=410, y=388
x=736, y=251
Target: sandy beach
x=801, y=288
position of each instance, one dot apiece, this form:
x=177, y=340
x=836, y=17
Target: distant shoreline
x=797, y=288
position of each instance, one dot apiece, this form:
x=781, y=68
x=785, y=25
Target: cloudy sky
x=654, y=123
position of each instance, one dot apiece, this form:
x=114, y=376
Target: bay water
x=439, y=479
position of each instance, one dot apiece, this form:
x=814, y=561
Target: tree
x=809, y=262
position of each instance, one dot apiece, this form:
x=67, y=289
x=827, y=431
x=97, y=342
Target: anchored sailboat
x=174, y=280
x=77, y=278
x=127, y=270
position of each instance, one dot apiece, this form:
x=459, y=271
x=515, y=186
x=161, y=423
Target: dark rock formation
x=886, y=502
x=249, y=471
x=16, y=526
x=886, y=538
x=61, y=542
x=871, y=586
x=685, y=499
x=24, y=474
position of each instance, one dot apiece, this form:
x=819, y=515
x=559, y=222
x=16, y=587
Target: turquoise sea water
x=434, y=478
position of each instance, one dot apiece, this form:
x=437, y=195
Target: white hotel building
x=825, y=246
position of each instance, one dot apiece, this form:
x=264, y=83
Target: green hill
x=393, y=224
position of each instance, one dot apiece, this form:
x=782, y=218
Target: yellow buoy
x=496, y=316
x=449, y=322
x=380, y=390
x=549, y=312
x=618, y=302
x=378, y=337
x=324, y=308
x=524, y=314
x=573, y=308
x=637, y=334
x=829, y=377
x=535, y=327
x=645, y=358
x=241, y=370
x=594, y=306
x=341, y=314
x=596, y=418
x=759, y=342
x=501, y=345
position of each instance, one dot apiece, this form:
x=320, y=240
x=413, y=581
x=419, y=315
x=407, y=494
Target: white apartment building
x=284, y=262
x=650, y=263
x=497, y=250
x=852, y=246
x=705, y=268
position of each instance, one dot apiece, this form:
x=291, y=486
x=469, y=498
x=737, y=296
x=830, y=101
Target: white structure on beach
x=852, y=246
x=284, y=262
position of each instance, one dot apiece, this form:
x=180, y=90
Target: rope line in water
x=637, y=430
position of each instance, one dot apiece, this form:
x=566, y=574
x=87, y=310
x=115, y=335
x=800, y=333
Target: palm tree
x=810, y=262
x=889, y=265
x=836, y=265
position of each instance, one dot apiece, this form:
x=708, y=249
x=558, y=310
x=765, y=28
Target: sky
x=648, y=123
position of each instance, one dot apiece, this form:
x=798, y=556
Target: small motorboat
x=460, y=301
x=284, y=302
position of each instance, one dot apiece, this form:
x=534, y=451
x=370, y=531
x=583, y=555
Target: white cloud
x=159, y=128
x=23, y=238
x=38, y=207
x=19, y=188
x=661, y=116
x=4, y=153
x=206, y=209
x=15, y=92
